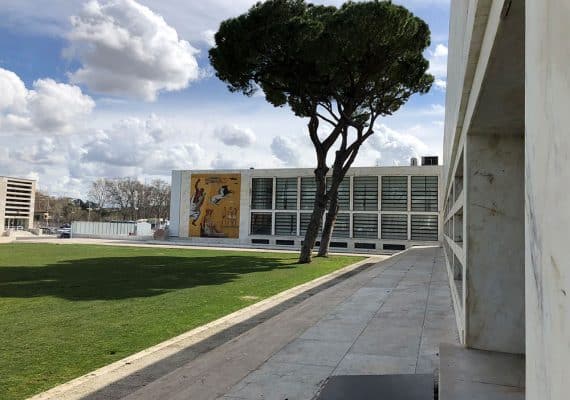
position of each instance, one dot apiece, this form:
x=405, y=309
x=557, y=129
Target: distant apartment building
x=17, y=197
x=381, y=208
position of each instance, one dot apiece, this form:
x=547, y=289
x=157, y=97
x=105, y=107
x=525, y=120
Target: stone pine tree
x=341, y=68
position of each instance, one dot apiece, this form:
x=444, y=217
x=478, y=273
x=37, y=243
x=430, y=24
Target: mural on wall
x=215, y=205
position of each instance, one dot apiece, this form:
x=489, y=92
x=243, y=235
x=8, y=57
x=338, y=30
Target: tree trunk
x=316, y=218
x=329, y=224
x=343, y=161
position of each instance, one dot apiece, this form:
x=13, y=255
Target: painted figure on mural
x=208, y=225
x=196, y=202
x=222, y=193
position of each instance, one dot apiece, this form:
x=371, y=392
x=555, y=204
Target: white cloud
x=43, y=152
x=222, y=162
x=436, y=109
x=54, y=105
x=13, y=91
x=208, y=37
x=440, y=51
x=50, y=107
x=128, y=50
x=438, y=65
x=440, y=84
x=394, y=148
x=233, y=135
x=4, y=155
x=136, y=146
x=285, y=150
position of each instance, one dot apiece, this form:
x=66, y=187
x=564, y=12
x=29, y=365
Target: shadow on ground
x=131, y=383
x=112, y=278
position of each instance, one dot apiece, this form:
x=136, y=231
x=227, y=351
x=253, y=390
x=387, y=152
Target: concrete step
x=378, y=387
x=468, y=374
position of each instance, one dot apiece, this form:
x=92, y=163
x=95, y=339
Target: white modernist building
x=381, y=208
x=506, y=200
x=17, y=198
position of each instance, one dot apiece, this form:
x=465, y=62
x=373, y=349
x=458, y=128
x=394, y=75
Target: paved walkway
x=393, y=324
x=387, y=319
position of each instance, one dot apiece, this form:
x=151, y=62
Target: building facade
x=17, y=198
x=381, y=208
x=506, y=212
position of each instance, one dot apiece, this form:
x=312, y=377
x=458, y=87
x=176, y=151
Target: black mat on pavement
x=378, y=387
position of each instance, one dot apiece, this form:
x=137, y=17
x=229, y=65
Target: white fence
x=111, y=230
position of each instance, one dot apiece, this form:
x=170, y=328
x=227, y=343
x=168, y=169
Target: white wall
x=548, y=199
x=494, y=180
x=174, y=227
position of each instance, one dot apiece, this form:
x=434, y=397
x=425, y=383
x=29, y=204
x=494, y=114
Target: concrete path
x=393, y=324
x=387, y=319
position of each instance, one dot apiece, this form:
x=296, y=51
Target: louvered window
x=286, y=193
x=343, y=193
x=304, y=219
x=394, y=193
x=394, y=226
x=365, y=226
x=424, y=193
x=261, y=193
x=342, y=226
x=424, y=227
x=261, y=223
x=308, y=190
x=286, y=224
x=365, y=193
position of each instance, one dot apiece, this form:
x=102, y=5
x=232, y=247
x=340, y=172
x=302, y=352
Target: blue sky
x=123, y=88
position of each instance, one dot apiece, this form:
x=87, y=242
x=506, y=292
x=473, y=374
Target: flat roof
x=18, y=178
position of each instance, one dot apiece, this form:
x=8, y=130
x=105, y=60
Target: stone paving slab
x=393, y=324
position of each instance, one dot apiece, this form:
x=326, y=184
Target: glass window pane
x=395, y=226
x=304, y=219
x=365, y=226
x=424, y=193
x=342, y=226
x=286, y=224
x=261, y=193
x=286, y=193
x=394, y=193
x=261, y=223
x=365, y=193
x=343, y=193
x=424, y=227
x=308, y=190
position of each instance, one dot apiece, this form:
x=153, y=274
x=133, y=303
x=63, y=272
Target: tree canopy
x=365, y=57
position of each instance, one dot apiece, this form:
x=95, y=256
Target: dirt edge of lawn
x=253, y=314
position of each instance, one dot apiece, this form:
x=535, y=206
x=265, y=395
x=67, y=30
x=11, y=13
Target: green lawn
x=68, y=309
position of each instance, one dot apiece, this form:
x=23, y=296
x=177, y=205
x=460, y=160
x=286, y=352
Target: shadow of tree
x=111, y=278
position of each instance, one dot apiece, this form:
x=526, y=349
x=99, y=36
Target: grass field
x=68, y=309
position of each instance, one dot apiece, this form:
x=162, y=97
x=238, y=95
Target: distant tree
x=339, y=67
x=98, y=193
x=159, y=198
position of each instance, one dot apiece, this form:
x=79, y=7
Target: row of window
x=392, y=226
x=424, y=193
